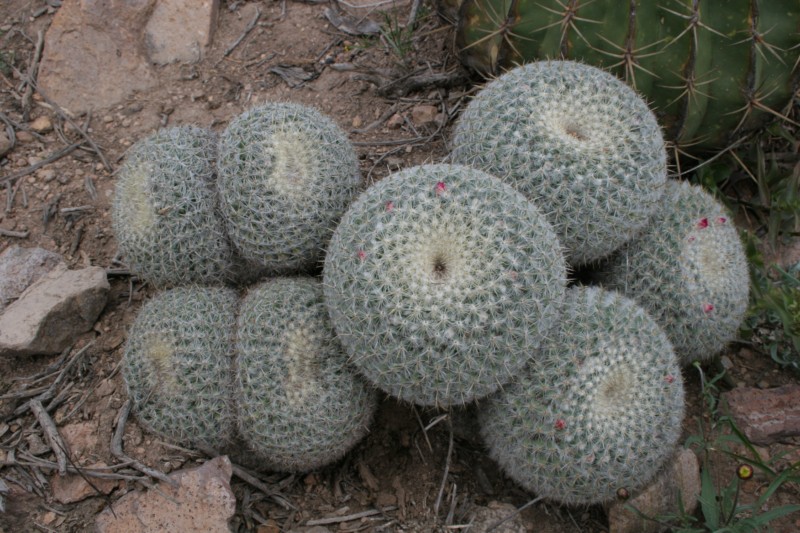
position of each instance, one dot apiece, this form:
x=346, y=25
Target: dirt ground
x=400, y=467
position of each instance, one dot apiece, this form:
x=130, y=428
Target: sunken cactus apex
x=577, y=141
x=286, y=175
x=164, y=212
x=300, y=406
x=440, y=279
x=177, y=365
x=598, y=409
x=689, y=270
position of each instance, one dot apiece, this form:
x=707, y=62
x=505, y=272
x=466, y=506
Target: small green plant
x=398, y=38
x=721, y=507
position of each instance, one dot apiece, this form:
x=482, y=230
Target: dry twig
x=116, y=448
x=51, y=434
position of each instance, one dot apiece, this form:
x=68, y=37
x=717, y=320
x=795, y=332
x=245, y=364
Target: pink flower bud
x=703, y=223
x=708, y=307
x=440, y=188
x=722, y=220
x=389, y=206
x=669, y=378
x=560, y=424
x=362, y=254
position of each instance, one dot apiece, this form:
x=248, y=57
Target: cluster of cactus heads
x=262, y=199
x=164, y=212
x=200, y=364
x=287, y=173
x=575, y=140
x=440, y=279
x=598, y=409
x=710, y=70
x=299, y=404
x=689, y=270
x=177, y=365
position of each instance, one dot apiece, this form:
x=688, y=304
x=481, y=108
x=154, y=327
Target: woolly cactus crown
x=300, y=406
x=439, y=280
x=576, y=140
x=599, y=407
x=287, y=173
x=164, y=210
x=689, y=270
x=177, y=365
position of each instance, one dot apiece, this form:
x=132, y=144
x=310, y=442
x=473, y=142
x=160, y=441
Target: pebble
x=726, y=362
x=763, y=384
x=42, y=124
x=25, y=137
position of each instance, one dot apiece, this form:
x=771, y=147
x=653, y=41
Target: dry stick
x=51, y=434
x=250, y=479
x=499, y=523
x=247, y=30
x=17, y=234
x=116, y=448
x=412, y=17
x=348, y=518
x=31, y=78
x=55, y=156
x=446, y=469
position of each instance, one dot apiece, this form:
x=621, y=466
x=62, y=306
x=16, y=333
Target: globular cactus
x=575, y=140
x=689, y=270
x=178, y=365
x=711, y=70
x=164, y=212
x=287, y=173
x=598, y=409
x=300, y=406
x=440, y=279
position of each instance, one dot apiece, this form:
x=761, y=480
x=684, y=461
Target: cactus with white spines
x=164, y=211
x=177, y=365
x=689, y=270
x=599, y=407
x=440, y=279
x=286, y=174
x=299, y=404
x=577, y=141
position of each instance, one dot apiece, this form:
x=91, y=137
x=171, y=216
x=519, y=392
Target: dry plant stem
x=116, y=448
x=350, y=517
x=31, y=78
x=55, y=156
x=244, y=34
x=51, y=434
x=446, y=468
x=250, y=479
x=15, y=234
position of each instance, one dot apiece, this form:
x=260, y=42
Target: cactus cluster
x=200, y=364
x=599, y=407
x=286, y=175
x=263, y=198
x=177, y=365
x=164, y=211
x=689, y=270
x=575, y=140
x=711, y=70
x=440, y=279
x=299, y=404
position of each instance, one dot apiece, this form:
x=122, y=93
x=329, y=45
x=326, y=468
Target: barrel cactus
x=689, y=270
x=576, y=140
x=287, y=173
x=440, y=279
x=598, y=409
x=164, y=212
x=711, y=70
x=177, y=365
x=300, y=406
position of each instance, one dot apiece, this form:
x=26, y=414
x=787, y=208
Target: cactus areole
x=710, y=70
x=439, y=280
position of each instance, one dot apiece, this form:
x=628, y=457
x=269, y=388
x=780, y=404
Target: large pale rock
x=767, y=415
x=201, y=501
x=680, y=480
x=74, y=487
x=20, y=267
x=52, y=312
x=99, y=52
x=180, y=30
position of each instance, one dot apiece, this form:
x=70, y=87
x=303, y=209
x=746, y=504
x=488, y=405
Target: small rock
x=681, y=477
x=5, y=144
x=42, y=124
x=484, y=518
x=424, y=115
x=271, y=526
x=765, y=416
x=74, y=488
x=20, y=267
x=25, y=137
x=36, y=445
x=763, y=384
x=53, y=311
x=80, y=438
x=201, y=501
x=357, y=121
x=727, y=364
x=396, y=121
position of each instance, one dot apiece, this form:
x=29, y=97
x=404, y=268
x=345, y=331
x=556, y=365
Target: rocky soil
x=72, y=102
